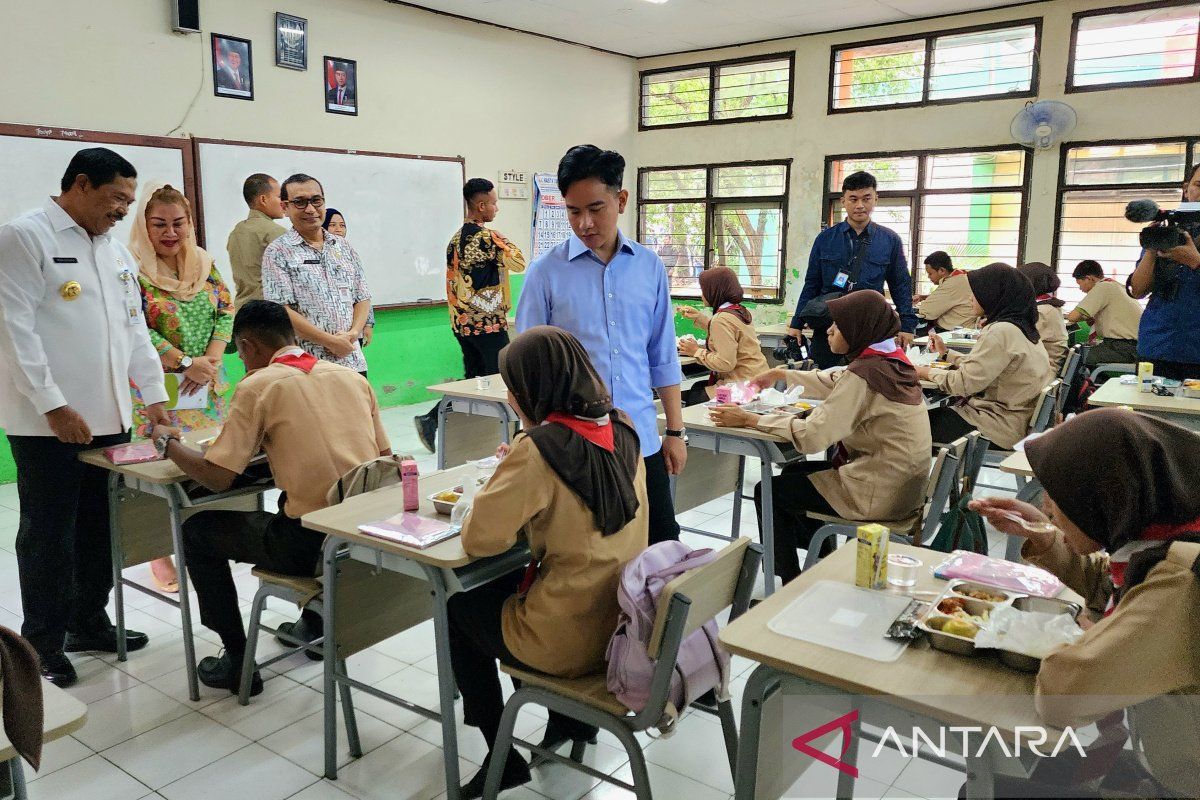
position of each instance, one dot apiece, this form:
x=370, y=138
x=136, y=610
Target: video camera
x=790, y=351
x=1166, y=230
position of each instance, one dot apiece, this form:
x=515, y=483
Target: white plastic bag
x=1033, y=633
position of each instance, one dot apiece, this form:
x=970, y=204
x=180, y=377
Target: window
x=1146, y=45
x=1096, y=181
x=944, y=67
x=721, y=91
x=971, y=204
x=729, y=215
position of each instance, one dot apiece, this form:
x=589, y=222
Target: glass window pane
x=748, y=238
x=1128, y=163
x=670, y=184
x=975, y=170
x=676, y=232
x=1093, y=225
x=879, y=75
x=764, y=180
x=982, y=63
x=1147, y=45
x=975, y=229
x=759, y=89
x=896, y=174
x=670, y=98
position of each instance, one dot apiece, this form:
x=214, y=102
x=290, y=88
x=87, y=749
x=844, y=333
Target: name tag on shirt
x=65, y=260
x=312, y=261
x=841, y=280
x=345, y=291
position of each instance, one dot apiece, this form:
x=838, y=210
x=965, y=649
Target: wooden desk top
x=343, y=519
x=496, y=392
x=62, y=715
x=1115, y=393
x=695, y=418
x=1017, y=464
x=162, y=472
x=984, y=691
x=778, y=329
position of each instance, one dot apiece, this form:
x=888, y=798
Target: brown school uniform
x=1001, y=379
x=1052, y=327
x=949, y=304
x=888, y=443
x=732, y=351
x=1112, y=312
x=563, y=624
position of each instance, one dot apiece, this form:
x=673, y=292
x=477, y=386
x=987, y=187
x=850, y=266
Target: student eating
x=731, y=349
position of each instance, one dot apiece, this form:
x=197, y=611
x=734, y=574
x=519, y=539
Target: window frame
x=1077, y=17
x=929, y=38
x=713, y=68
x=916, y=194
x=711, y=202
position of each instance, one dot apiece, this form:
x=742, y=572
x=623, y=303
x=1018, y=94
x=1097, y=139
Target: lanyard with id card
x=848, y=278
x=133, y=299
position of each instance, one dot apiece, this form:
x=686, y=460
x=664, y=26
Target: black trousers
x=1174, y=370
x=1113, y=351
x=792, y=496
x=211, y=539
x=481, y=353
x=64, y=553
x=946, y=425
x=663, y=526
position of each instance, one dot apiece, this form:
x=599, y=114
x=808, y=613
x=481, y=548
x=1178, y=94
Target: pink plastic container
x=408, y=481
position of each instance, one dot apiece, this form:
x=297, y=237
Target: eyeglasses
x=301, y=203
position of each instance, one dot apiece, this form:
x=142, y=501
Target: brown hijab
x=864, y=318
x=1115, y=473
x=720, y=285
x=1045, y=283
x=1005, y=295
x=548, y=371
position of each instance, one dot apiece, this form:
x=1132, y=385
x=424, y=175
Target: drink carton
x=871, y=566
x=408, y=482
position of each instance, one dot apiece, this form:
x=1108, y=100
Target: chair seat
x=297, y=583
x=903, y=526
x=590, y=690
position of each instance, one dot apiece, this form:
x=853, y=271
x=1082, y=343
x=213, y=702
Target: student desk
x=62, y=715
x=445, y=566
x=771, y=336
x=976, y=691
x=138, y=525
x=952, y=342
x=1181, y=410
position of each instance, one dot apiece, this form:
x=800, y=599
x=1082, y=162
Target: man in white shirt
x=72, y=337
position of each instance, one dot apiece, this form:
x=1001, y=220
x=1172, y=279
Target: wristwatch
x=681, y=433
x=185, y=362
x=160, y=443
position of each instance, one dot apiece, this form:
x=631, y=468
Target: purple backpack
x=702, y=665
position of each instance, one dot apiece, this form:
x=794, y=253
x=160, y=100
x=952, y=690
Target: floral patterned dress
x=189, y=326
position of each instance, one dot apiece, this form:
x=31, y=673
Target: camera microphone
x=1143, y=211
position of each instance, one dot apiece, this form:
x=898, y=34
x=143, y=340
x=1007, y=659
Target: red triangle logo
x=843, y=723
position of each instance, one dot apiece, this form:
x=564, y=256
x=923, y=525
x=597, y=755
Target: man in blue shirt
x=831, y=266
x=612, y=294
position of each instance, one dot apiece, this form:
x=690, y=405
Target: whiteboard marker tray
x=844, y=617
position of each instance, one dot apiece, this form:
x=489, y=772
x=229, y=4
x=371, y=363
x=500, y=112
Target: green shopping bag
x=961, y=529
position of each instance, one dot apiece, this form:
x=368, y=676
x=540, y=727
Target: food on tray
x=447, y=496
x=802, y=406
x=960, y=627
x=979, y=594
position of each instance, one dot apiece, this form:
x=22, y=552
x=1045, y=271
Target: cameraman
x=855, y=254
x=1169, y=333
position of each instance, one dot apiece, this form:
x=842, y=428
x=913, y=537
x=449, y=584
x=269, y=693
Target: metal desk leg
x=736, y=528
x=767, y=533
x=118, y=560
x=763, y=682
x=506, y=423
x=1027, y=492
x=981, y=780
x=442, y=410
x=441, y=632
x=185, y=608
x=329, y=648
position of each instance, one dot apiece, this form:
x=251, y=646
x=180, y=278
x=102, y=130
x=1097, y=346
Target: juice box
x=1145, y=375
x=724, y=395
x=408, y=483
x=871, y=565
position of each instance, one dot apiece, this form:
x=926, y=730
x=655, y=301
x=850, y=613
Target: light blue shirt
x=622, y=315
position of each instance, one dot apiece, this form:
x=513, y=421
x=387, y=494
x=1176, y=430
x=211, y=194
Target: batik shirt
x=478, y=262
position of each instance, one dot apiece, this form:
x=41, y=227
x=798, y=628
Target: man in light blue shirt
x=612, y=294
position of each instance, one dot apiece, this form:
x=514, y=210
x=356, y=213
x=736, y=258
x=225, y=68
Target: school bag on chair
x=702, y=665
x=367, y=477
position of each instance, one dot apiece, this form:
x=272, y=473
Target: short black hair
x=857, y=181
x=585, y=161
x=99, y=165
x=264, y=320
x=1088, y=269
x=299, y=177
x=475, y=187
x=939, y=259
x=255, y=186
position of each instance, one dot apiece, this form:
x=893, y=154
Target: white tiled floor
x=145, y=740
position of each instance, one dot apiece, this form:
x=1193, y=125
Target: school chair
x=1043, y=416
x=920, y=527
x=686, y=604
x=1071, y=375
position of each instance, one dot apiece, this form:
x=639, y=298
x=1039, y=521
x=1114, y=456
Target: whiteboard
x=31, y=170
x=400, y=211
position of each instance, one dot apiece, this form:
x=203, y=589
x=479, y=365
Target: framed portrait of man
x=233, y=71
x=341, y=86
x=291, y=41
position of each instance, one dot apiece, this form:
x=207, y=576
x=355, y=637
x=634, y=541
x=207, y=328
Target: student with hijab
x=731, y=351
x=335, y=223
x=874, y=411
x=1051, y=325
x=1121, y=491
x=190, y=315
x=997, y=384
x=574, y=484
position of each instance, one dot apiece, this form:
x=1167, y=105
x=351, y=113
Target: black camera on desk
x=1166, y=228
x=792, y=352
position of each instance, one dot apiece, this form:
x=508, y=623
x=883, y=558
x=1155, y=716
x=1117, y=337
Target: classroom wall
x=812, y=133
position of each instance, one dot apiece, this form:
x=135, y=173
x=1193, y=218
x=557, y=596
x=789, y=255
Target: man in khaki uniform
x=948, y=306
x=250, y=237
x=1112, y=313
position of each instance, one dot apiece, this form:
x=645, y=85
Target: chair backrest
x=1070, y=364
x=1043, y=412
x=941, y=484
x=973, y=462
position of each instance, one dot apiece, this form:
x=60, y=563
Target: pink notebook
x=997, y=572
x=132, y=453
x=410, y=530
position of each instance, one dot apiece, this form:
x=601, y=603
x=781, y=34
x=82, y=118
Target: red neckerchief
x=738, y=310
x=303, y=361
x=895, y=355
x=599, y=435
x=1108, y=280
x=1041, y=298
x=957, y=272
x=1159, y=532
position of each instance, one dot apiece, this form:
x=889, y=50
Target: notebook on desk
x=411, y=530
x=138, y=453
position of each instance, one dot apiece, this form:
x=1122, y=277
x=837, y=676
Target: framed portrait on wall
x=291, y=41
x=233, y=71
x=341, y=85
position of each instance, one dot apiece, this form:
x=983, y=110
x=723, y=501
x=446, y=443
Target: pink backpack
x=702, y=665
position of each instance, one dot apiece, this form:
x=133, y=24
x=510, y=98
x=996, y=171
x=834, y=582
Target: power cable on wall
x=199, y=89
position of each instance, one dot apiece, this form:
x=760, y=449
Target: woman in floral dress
x=190, y=315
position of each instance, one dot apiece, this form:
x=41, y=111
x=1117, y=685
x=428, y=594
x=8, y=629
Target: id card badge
x=133, y=301
x=345, y=292
x=841, y=280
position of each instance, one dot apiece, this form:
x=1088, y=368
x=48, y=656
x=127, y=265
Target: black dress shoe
x=57, y=669
x=104, y=640
x=300, y=630
x=557, y=734
x=516, y=773
x=427, y=431
x=219, y=672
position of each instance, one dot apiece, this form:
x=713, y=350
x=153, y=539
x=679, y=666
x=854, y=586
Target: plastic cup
x=483, y=382
x=902, y=570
